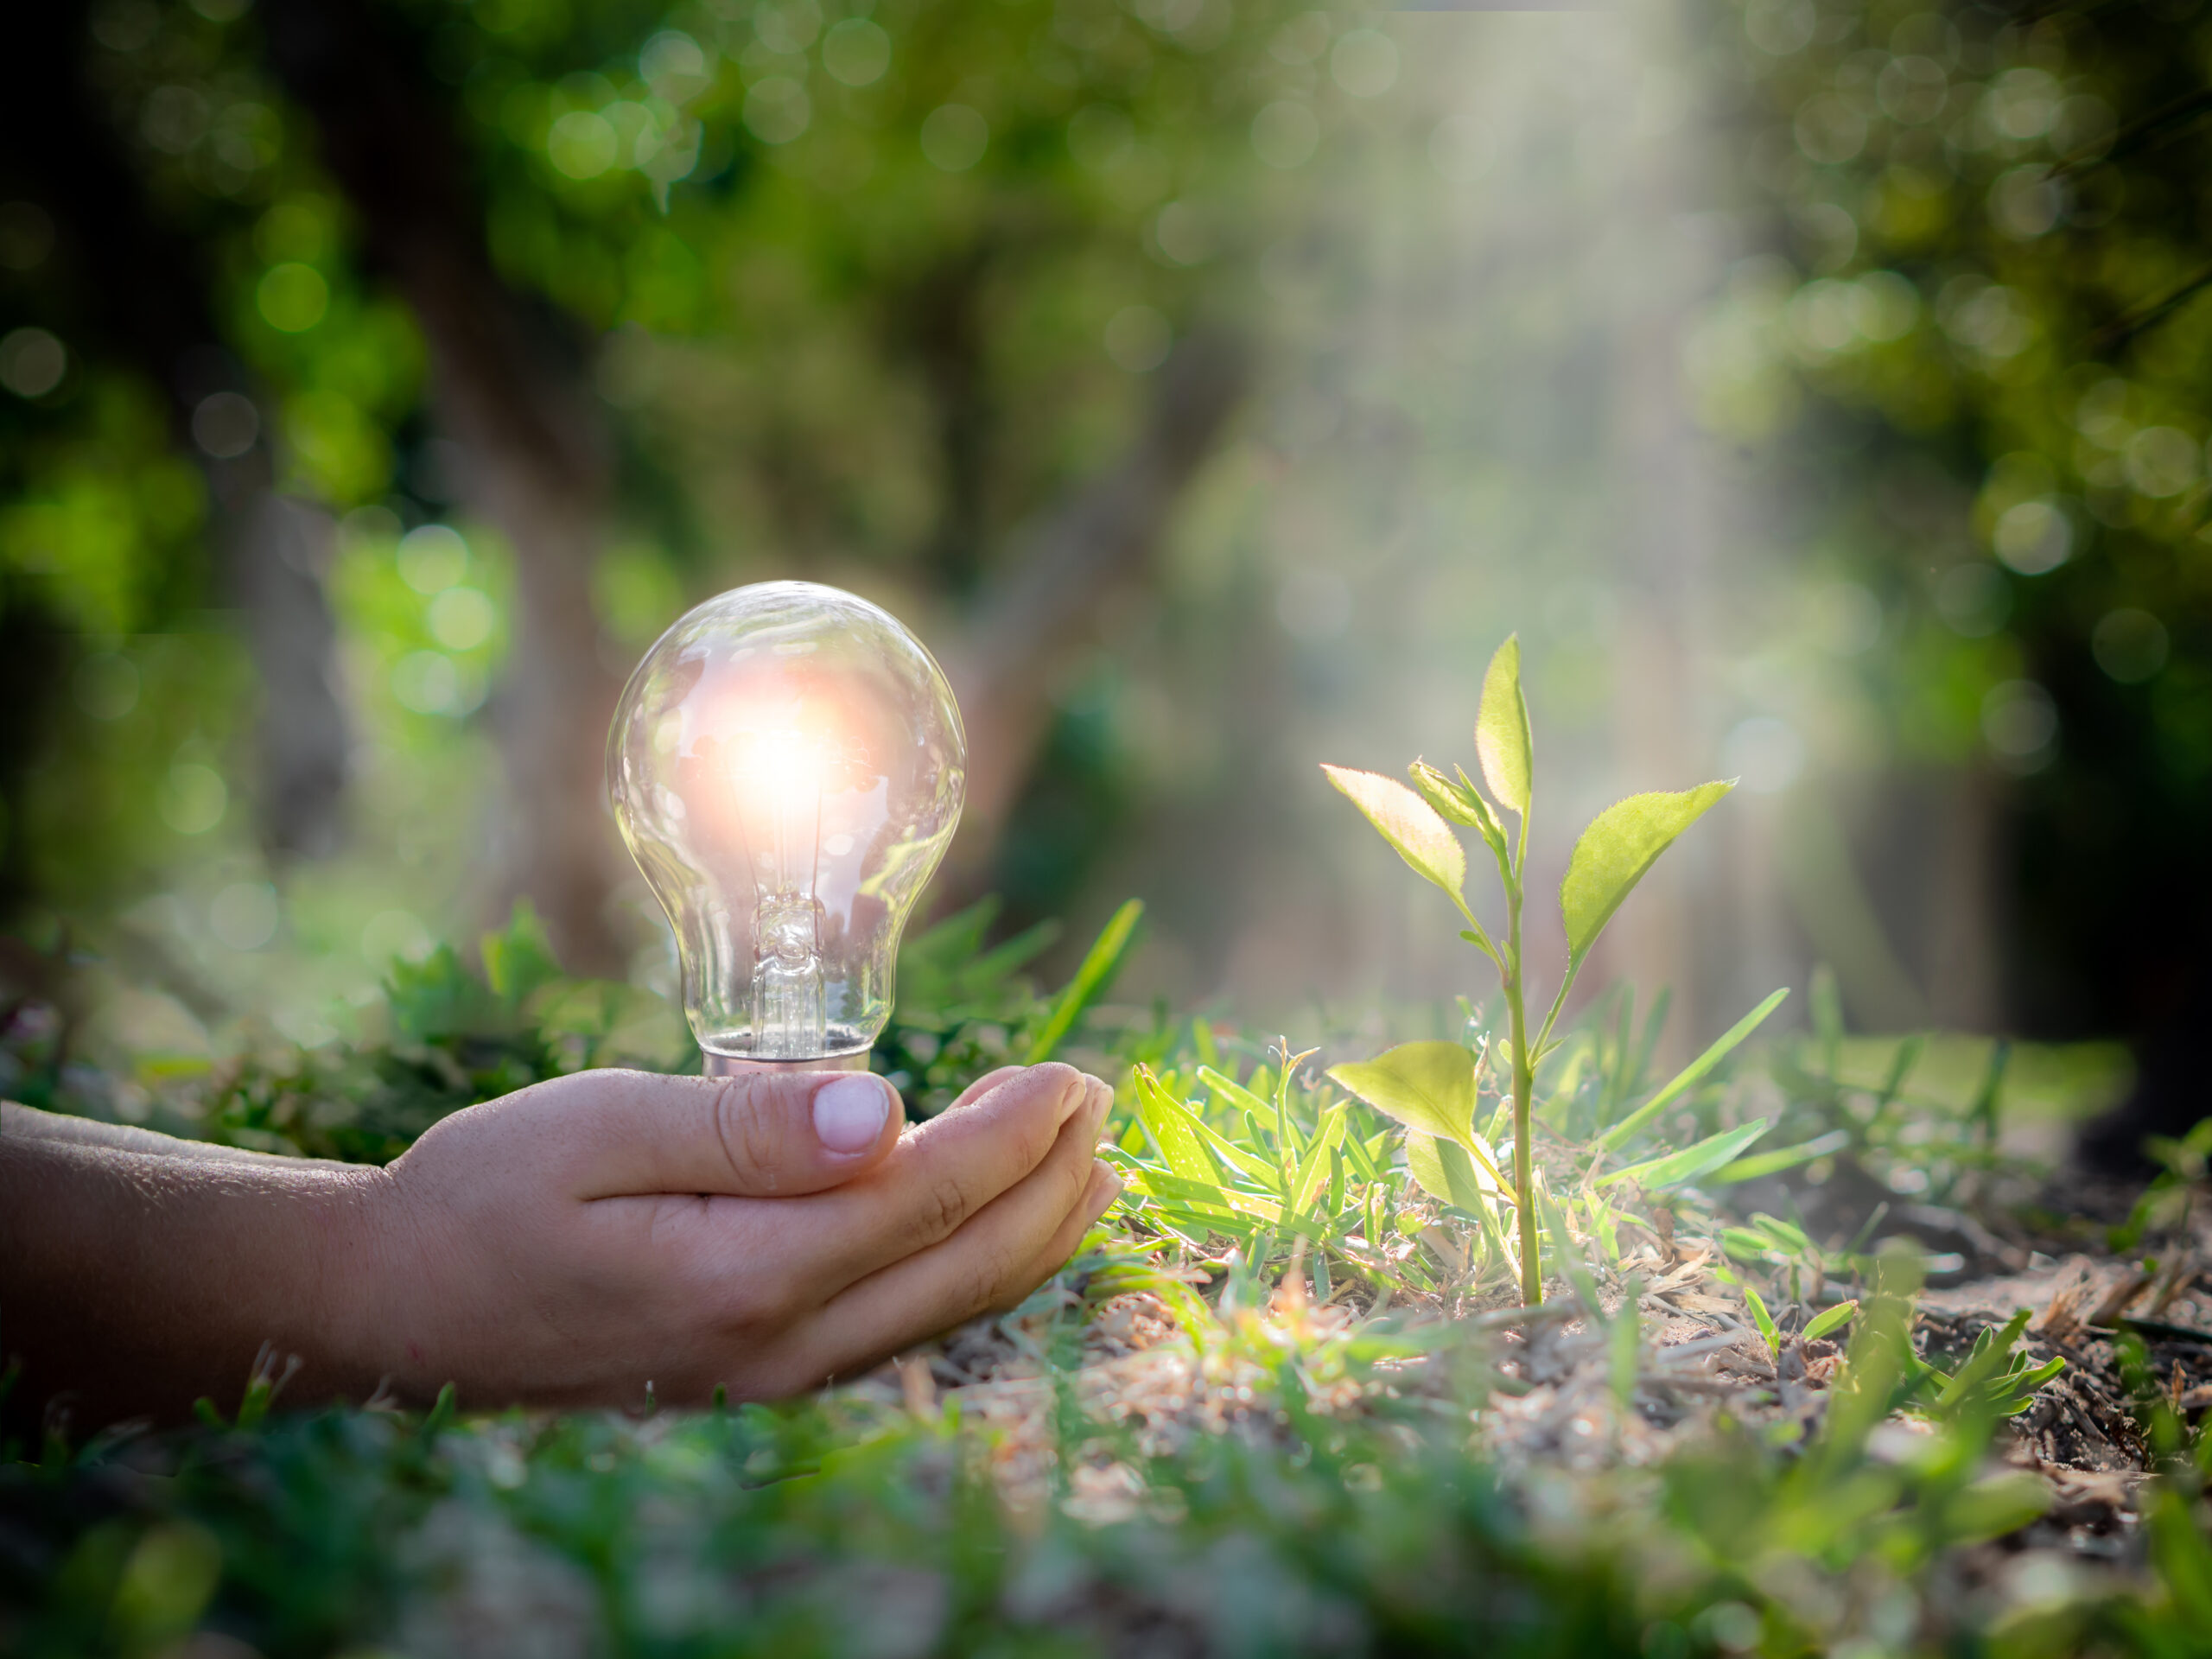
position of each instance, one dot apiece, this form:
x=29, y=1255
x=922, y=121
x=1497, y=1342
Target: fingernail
x=1072, y=1096
x=848, y=1112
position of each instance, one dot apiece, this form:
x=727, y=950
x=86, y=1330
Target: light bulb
x=787, y=766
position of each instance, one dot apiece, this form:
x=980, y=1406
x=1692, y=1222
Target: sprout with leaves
x=1430, y=1087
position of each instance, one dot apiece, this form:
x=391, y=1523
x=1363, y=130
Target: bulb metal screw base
x=733, y=1066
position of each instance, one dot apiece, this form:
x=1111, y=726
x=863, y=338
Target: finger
x=762, y=1134
x=936, y=1177
x=993, y=1261
x=982, y=1086
x=1098, y=1197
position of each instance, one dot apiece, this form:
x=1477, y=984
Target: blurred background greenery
x=1819, y=388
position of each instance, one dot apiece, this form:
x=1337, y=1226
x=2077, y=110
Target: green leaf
x=1763, y=1320
x=1502, y=730
x=1789, y=1237
x=1235, y=1093
x=1834, y=1319
x=1991, y=1350
x=1407, y=823
x=1090, y=983
x=1691, y=1161
x=1692, y=1074
x=1425, y=1086
x=1313, y=1169
x=1456, y=801
x=1444, y=1171
x=1746, y=1245
x=519, y=958
x=1175, y=1131
x=1621, y=843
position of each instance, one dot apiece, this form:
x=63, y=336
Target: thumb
x=763, y=1134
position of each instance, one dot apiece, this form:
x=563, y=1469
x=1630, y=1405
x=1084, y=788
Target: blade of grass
x=1692, y=1161
x=1174, y=1131
x=1768, y=1163
x=1765, y=1321
x=1090, y=983
x=1315, y=1165
x=1834, y=1319
x=1614, y=1138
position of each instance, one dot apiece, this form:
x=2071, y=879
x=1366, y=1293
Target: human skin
x=570, y=1245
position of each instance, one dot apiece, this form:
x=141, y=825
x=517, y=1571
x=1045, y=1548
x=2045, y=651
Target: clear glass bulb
x=787, y=766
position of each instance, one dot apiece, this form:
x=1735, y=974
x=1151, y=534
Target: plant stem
x=1524, y=1197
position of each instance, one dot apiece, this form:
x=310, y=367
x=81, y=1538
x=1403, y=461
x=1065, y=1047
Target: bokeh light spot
x=2022, y=103
x=461, y=619
x=1887, y=305
x=2025, y=202
x=1183, y=234
x=583, y=145
x=192, y=799
x=788, y=29
x=1973, y=600
x=173, y=119
x=776, y=109
x=2033, y=537
x=1779, y=28
x=432, y=558
x=126, y=25
x=245, y=915
x=675, y=66
x=1302, y=39
x=1829, y=130
x=225, y=424
x=1364, y=62
x=2020, y=724
x=955, y=137
x=2163, y=460
x=856, y=52
x=428, y=683
x=2130, y=646
x=32, y=362
x=293, y=297
x=106, y=685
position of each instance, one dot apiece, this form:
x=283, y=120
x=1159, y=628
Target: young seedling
x=1430, y=1086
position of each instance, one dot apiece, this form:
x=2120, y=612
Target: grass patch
x=1287, y=1400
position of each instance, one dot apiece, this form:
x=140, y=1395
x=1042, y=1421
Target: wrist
x=355, y=1267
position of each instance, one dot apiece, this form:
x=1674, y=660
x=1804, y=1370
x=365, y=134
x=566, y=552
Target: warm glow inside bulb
x=787, y=766
x=782, y=767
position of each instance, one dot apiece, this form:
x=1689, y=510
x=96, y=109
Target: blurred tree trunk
x=510, y=389
x=1065, y=566
x=277, y=553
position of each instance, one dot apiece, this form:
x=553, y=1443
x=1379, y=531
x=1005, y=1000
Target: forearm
x=28, y=1124
x=131, y=1283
